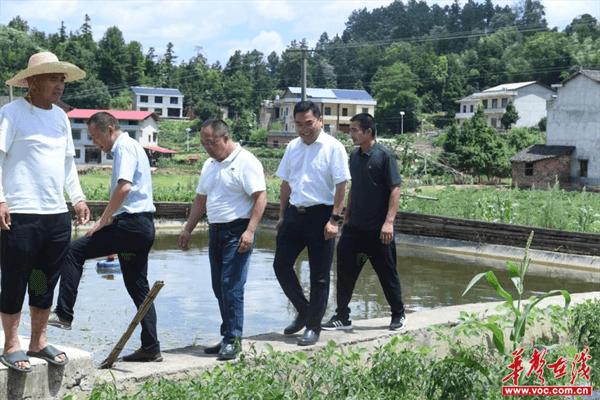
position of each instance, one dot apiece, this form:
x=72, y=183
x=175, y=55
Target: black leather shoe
x=213, y=349
x=296, y=325
x=309, y=338
x=229, y=351
x=141, y=355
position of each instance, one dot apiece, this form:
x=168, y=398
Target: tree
x=510, y=116
x=583, y=27
x=476, y=148
x=87, y=93
x=19, y=24
x=518, y=139
x=112, y=52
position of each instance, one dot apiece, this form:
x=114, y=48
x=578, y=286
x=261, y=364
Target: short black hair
x=306, y=106
x=366, y=121
x=102, y=120
x=217, y=125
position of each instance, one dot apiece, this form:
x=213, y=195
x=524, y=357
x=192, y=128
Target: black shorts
x=31, y=255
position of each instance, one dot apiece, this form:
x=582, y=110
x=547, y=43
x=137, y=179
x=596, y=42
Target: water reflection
x=188, y=313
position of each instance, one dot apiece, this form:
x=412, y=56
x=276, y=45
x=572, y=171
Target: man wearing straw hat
x=36, y=168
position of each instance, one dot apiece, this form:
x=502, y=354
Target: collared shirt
x=313, y=170
x=229, y=184
x=131, y=164
x=38, y=148
x=374, y=174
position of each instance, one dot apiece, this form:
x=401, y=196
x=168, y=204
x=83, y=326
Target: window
x=78, y=121
x=131, y=134
x=154, y=137
x=158, y=111
x=327, y=128
x=494, y=103
x=464, y=108
x=485, y=103
x=471, y=108
x=108, y=156
x=365, y=110
x=143, y=108
x=276, y=112
x=504, y=102
x=275, y=143
x=344, y=112
x=529, y=169
x=131, y=122
x=158, y=99
x=174, y=100
x=493, y=122
x=327, y=111
x=143, y=99
x=583, y=168
x=77, y=153
x=76, y=134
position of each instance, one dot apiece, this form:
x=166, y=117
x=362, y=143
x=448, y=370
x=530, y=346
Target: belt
x=225, y=225
x=304, y=210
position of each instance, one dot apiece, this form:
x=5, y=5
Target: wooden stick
x=141, y=313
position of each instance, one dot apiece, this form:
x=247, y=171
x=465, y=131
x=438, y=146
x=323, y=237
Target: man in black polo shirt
x=369, y=224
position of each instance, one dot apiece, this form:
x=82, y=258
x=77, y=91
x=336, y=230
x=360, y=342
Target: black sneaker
x=397, y=322
x=336, y=323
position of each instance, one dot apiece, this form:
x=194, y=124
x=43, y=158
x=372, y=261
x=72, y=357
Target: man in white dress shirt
x=313, y=171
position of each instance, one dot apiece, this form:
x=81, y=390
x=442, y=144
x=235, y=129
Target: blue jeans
x=229, y=270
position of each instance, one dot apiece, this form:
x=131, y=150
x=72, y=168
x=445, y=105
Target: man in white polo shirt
x=126, y=227
x=232, y=192
x=313, y=171
x=36, y=168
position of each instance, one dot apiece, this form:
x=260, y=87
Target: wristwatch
x=336, y=218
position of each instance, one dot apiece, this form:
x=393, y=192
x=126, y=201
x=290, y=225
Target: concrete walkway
x=79, y=376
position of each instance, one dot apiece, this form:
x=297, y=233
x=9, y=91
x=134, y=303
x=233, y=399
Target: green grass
x=554, y=208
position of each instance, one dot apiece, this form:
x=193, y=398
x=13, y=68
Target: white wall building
x=165, y=102
x=140, y=125
x=529, y=99
x=574, y=120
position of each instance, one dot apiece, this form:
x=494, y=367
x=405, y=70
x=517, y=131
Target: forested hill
x=410, y=56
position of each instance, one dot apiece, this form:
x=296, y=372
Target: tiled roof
x=156, y=91
x=539, y=152
x=82, y=113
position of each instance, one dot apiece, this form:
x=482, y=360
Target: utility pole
x=304, y=68
x=10, y=93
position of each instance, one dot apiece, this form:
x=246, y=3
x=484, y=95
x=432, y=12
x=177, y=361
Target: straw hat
x=46, y=63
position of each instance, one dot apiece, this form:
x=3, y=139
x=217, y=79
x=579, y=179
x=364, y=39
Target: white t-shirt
x=38, y=149
x=313, y=170
x=131, y=164
x=229, y=185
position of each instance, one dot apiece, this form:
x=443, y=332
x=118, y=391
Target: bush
x=584, y=327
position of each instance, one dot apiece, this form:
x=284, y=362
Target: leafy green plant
x=519, y=311
x=584, y=327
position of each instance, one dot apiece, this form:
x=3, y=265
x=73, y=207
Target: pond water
x=188, y=312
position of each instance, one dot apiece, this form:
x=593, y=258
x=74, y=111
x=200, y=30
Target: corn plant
x=520, y=311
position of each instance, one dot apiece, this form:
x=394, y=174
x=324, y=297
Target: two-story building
x=529, y=99
x=140, y=125
x=165, y=102
x=572, y=137
x=337, y=107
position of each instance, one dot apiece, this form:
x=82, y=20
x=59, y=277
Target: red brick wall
x=545, y=173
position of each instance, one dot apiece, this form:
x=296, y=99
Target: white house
x=165, y=102
x=337, y=107
x=574, y=120
x=140, y=125
x=529, y=99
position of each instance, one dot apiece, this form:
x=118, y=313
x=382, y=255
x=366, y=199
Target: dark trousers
x=31, y=255
x=130, y=236
x=353, y=250
x=229, y=270
x=305, y=228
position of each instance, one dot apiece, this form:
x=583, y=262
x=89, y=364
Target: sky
x=217, y=28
